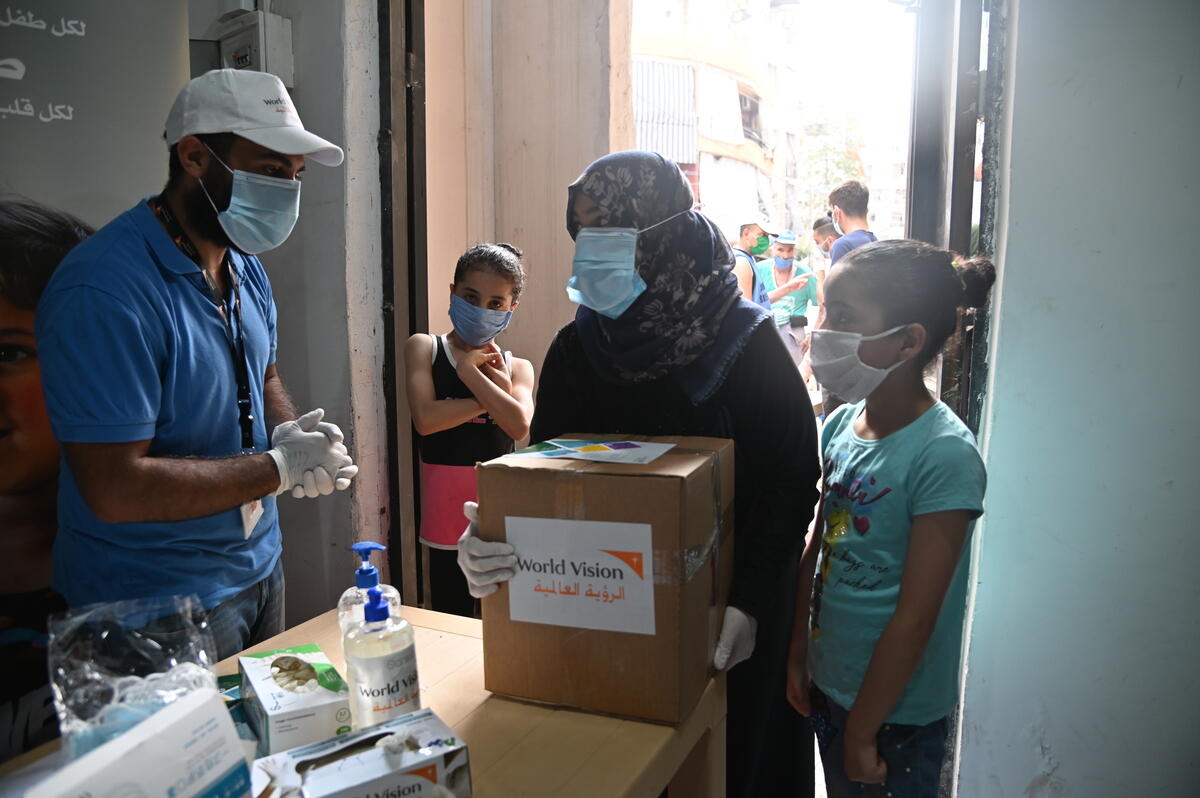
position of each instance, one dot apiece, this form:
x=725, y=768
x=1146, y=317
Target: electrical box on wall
x=260, y=41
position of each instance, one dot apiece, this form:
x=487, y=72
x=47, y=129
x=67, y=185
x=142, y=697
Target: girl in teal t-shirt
x=877, y=637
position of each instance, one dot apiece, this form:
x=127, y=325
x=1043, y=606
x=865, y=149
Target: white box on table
x=188, y=748
x=286, y=718
x=421, y=758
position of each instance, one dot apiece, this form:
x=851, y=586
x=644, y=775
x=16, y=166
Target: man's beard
x=200, y=212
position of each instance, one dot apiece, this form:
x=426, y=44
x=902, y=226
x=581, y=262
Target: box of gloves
x=413, y=755
x=188, y=749
x=292, y=697
x=624, y=558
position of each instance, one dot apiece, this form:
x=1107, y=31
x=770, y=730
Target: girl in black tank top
x=470, y=401
x=477, y=440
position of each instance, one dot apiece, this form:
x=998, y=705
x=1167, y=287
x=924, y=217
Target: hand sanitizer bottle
x=366, y=576
x=381, y=665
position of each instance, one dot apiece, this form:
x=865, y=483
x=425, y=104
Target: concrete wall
x=327, y=284
x=523, y=94
x=1084, y=641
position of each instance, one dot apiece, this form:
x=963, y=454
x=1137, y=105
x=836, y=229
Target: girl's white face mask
x=836, y=365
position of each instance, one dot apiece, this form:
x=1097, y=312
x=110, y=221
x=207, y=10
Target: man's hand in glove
x=300, y=446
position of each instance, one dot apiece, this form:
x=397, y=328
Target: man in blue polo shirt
x=157, y=345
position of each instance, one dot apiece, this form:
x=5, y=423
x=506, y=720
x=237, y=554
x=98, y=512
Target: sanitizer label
x=586, y=574
x=384, y=687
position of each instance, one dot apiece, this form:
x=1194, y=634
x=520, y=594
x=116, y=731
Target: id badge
x=251, y=512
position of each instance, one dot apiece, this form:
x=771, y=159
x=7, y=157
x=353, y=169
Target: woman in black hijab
x=689, y=356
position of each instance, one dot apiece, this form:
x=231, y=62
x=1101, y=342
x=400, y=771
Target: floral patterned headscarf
x=682, y=323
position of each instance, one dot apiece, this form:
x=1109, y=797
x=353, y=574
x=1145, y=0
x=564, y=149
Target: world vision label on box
x=585, y=574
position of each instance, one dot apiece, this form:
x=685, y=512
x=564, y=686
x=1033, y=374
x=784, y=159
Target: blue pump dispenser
x=367, y=575
x=376, y=609
x=353, y=602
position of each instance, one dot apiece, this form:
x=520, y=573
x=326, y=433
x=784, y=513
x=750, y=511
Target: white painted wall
x=327, y=282
x=1084, y=643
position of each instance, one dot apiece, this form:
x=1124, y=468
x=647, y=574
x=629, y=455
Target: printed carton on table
x=293, y=697
x=622, y=575
x=187, y=749
x=414, y=756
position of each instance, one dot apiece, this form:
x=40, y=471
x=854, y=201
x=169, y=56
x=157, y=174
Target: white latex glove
x=315, y=482
x=736, y=642
x=331, y=431
x=319, y=481
x=297, y=446
x=484, y=563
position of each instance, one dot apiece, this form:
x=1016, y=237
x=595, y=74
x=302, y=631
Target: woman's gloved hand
x=736, y=642
x=485, y=563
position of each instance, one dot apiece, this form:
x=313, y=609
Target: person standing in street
x=848, y=213
x=791, y=289
x=753, y=242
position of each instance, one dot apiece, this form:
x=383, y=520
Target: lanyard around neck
x=237, y=344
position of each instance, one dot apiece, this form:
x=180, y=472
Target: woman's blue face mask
x=604, y=274
x=476, y=326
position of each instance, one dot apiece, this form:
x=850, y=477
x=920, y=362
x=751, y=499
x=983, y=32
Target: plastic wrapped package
x=113, y=665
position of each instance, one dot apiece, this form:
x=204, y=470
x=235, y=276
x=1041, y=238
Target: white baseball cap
x=764, y=225
x=253, y=105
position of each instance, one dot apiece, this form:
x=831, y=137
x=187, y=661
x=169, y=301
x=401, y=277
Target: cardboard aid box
x=413, y=755
x=292, y=697
x=622, y=576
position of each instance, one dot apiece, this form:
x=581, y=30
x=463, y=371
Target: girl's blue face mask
x=476, y=326
x=604, y=274
x=262, y=210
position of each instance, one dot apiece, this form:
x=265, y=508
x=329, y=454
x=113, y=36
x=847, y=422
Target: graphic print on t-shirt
x=850, y=501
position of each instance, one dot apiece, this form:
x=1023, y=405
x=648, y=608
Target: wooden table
x=524, y=749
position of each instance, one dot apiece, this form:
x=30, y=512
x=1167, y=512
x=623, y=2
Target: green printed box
x=293, y=696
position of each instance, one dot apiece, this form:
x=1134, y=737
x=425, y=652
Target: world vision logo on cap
x=631, y=558
x=280, y=104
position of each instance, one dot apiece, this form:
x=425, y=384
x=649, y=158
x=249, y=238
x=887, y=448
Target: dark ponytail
x=976, y=275
x=916, y=283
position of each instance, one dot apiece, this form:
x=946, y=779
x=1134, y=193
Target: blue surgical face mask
x=782, y=263
x=475, y=325
x=837, y=228
x=604, y=274
x=262, y=210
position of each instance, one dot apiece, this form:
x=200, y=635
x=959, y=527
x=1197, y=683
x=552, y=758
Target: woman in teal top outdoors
x=875, y=663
